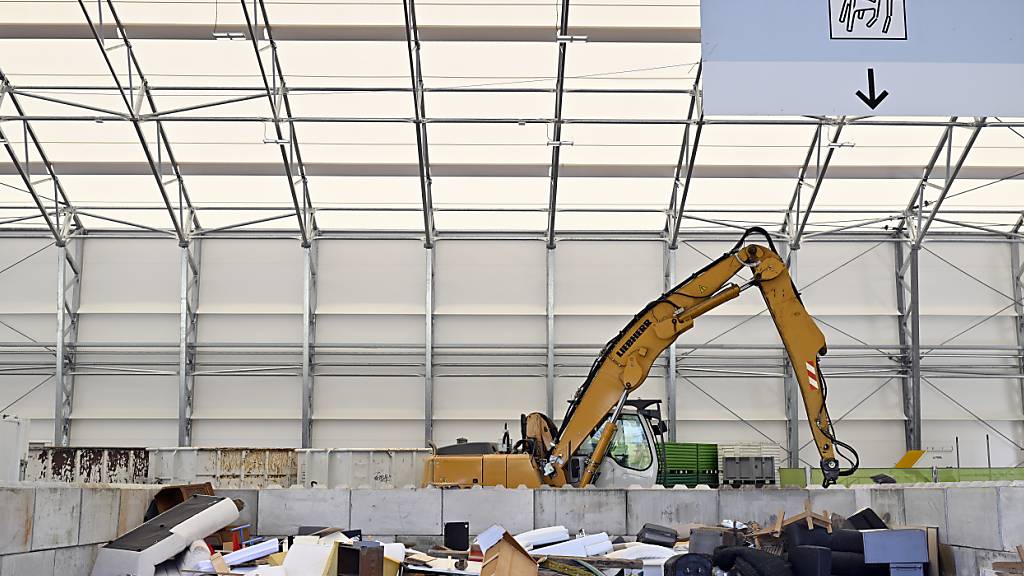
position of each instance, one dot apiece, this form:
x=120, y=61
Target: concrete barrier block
x=100, y=511
x=58, y=512
x=761, y=506
x=16, y=505
x=420, y=542
x=39, y=563
x=985, y=558
x=135, y=500
x=888, y=503
x=836, y=500
x=1011, y=516
x=280, y=511
x=398, y=511
x=251, y=499
x=485, y=507
x=926, y=507
x=965, y=560
x=75, y=561
x=673, y=508
x=595, y=510
x=973, y=517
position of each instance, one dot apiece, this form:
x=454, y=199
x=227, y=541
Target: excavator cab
x=632, y=457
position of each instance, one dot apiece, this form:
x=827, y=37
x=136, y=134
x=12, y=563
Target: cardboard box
x=508, y=558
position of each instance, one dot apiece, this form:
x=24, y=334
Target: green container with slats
x=687, y=463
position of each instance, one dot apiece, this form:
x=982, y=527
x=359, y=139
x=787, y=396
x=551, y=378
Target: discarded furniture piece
x=139, y=551
x=173, y=495
x=904, y=550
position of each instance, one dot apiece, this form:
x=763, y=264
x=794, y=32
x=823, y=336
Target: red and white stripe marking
x=812, y=376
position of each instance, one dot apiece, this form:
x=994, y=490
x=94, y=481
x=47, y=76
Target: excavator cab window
x=630, y=447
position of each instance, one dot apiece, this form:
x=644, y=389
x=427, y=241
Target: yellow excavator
x=600, y=421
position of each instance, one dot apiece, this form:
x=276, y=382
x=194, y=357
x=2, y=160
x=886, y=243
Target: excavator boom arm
x=626, y=360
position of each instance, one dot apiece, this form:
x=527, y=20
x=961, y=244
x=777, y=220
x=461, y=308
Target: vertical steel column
x=67, y=336
x=1017, y=269
x=62, y=408
x=791, y=389
x=550, y=314
x=671, y=389
x=310, y=262
x=906, y=389
x=428, y=353
x=915, y=346
x=187, y=336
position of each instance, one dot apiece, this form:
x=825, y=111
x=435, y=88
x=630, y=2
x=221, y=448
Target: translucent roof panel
x=483, y=140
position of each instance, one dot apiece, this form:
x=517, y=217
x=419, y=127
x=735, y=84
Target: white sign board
x=863, y=57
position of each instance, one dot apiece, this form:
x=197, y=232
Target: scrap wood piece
x=564, y=568
x=599, y=562
x=811, y=518
x=506, y=557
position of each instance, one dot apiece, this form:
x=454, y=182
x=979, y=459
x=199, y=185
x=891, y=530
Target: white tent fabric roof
x=347, y=66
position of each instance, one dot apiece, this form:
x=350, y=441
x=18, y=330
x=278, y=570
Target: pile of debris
x=190, y=531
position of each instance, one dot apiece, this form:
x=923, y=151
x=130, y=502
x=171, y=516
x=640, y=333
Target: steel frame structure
x=276, y=90
x=62, y=221
x=188, y=336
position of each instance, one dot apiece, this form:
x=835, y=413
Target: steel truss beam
x=951, y=176
x=675, y=214
x=25, y=170
x=276, y=90
x=69, y=296
x=412, y=41
x=188, y=329
x=821, y=172
x=329, y=32
x=428, y=351
x=309, y=282
x=927, y=174
x=152, y=162
x=909, y=328
x=184, y=200
x=556, y=138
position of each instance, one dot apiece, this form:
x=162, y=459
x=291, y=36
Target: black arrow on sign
x=872, y=101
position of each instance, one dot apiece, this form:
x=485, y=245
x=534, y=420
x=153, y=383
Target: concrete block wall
x=56, y=529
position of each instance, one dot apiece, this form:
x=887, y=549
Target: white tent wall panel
x=486, y=398
x=369, y=433
x=489, y=277
x=363, y=329
x=246, y=432
x=879, y=443
x=492, y=293
x=942, y=435
x=130, y=277
x=607, y=278
x=28, y=287
x=131, y=432
x=245, y=277
x=385, y=398
x=36, y=405
x=127, y=327
x=950, y=292
x=468, y=331
x=370, y=277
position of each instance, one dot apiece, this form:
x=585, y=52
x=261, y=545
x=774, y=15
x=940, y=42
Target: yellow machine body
x=626, y=361
x=509, y=470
